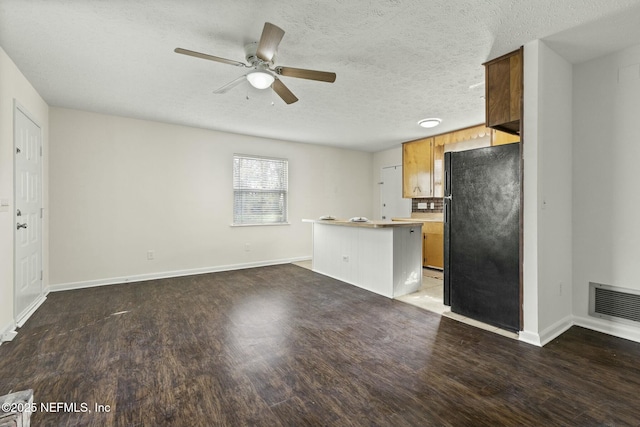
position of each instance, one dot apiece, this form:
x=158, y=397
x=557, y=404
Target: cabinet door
x=416, y=168
x=503, y=92
x=501, y=138
x=438, y=171
x=424, y=250
x=435, y=250
x=433, y=245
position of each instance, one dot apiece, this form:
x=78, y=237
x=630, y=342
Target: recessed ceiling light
x=430, y=123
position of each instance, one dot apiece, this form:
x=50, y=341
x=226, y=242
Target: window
x=260, y=187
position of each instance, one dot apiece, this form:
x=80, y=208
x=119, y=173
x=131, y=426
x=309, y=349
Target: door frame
x=20, y=318
x=382, y=188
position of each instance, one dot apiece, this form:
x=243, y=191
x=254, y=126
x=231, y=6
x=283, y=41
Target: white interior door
x=392, y=205
x=28, y=215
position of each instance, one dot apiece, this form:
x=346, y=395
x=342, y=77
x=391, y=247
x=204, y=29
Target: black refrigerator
x=482, y=234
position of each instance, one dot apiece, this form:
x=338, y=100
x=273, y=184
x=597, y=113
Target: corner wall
x=606, y=153
x=547, y=194
x=121, y=187
x=14, y=86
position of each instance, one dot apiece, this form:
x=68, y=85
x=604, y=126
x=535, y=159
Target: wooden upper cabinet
x=423, y=159
x=503, y=92
x=501, y=138
x=462, y=135
x=438, y=170
x=416, y=168
x=461, y=139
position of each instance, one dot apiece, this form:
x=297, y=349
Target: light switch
x=4, y=205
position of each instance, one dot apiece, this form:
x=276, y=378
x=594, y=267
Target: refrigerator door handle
x=447, y=179
x=447, y=183
x=446, y=210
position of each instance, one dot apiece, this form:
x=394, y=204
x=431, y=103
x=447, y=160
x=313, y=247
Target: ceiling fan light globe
x=260, y=79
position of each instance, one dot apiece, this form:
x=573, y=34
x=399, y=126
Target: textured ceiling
x=397, y=61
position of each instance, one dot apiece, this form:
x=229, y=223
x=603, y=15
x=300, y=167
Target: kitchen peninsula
x=379, y=256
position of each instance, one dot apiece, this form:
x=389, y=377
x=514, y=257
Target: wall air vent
x=610, y=302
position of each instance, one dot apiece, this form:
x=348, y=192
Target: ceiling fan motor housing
x=250, y=50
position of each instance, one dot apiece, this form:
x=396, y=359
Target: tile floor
x=430, y=297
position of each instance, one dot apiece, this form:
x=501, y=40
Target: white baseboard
x=167, y=274
x=617, y=329
x=8, y=332
x=547, y=335
x=22, y=319
x=609, y=327
x=530, y=338
x=554, y=331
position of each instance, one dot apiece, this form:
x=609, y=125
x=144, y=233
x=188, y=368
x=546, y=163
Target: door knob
x=19, y=226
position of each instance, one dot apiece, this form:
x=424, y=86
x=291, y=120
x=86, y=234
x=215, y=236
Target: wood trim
x=505, y=56
x=465, y=134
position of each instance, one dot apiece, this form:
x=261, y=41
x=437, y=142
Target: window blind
x=260, y=186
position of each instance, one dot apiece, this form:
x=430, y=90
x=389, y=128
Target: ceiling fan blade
x=283, y=92
x=209, y=57
x=301, y=73
x=269, y=41
x=230, y=85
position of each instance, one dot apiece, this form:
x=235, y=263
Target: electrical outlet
x=151, y=255
x=432, y=206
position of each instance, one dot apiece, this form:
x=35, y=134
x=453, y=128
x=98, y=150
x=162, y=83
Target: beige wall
x=121, y=187
x=606, y=153
x=14, y=87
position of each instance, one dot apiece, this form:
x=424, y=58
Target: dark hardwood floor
x=283, y=346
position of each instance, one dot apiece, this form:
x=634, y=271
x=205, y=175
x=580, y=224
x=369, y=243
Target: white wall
x=547, y=194
x=606, y=196
x=121, y=187
x=14, y=86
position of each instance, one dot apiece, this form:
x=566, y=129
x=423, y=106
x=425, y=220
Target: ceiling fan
x=260, y=57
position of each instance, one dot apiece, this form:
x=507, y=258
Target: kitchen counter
x=380, y=256
x=416, y=220
x=408, y=222
x=423, y=217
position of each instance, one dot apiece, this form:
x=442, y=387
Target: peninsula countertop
x=422, y=217
x=384, y=257
x=367, y=224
